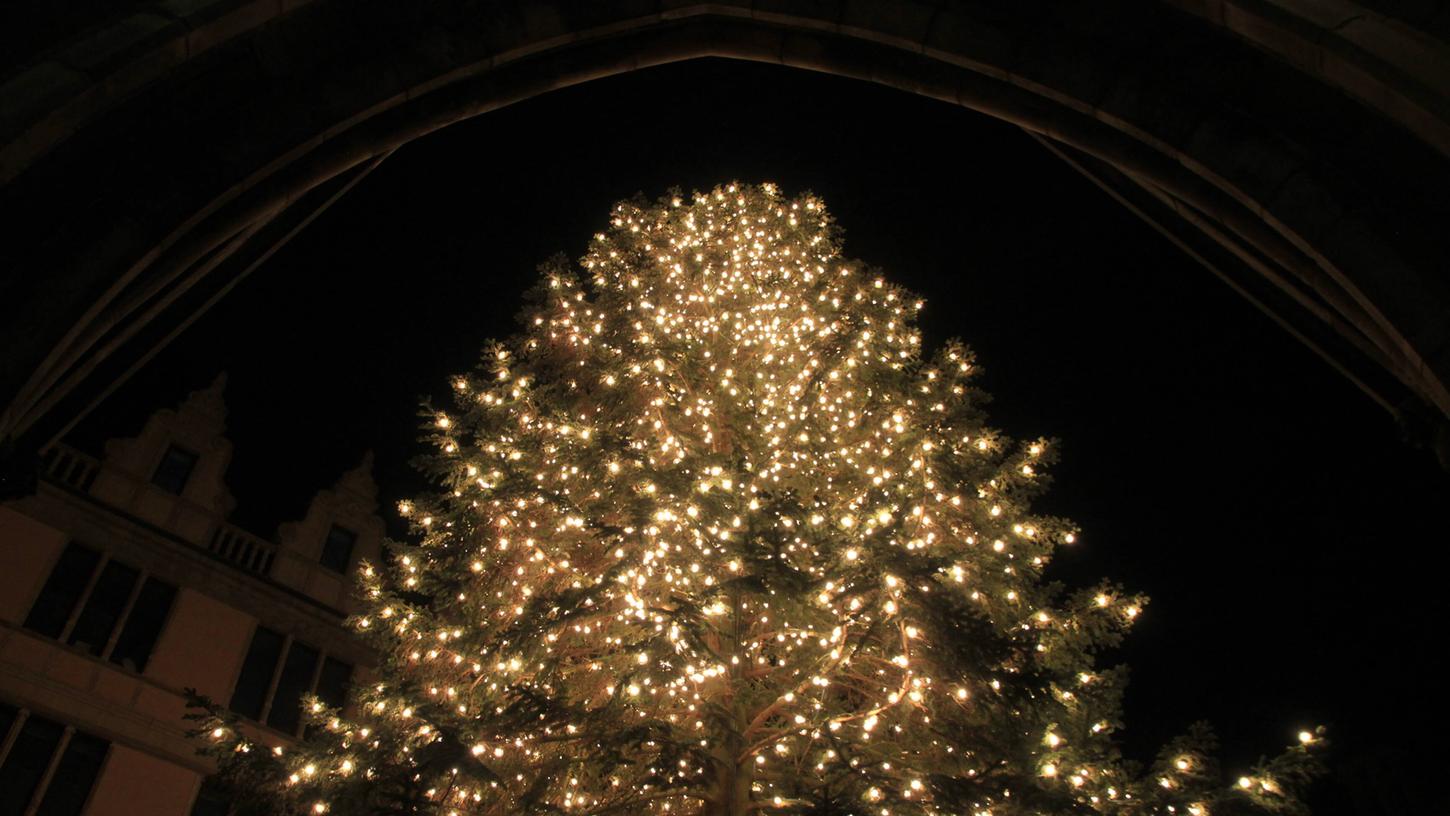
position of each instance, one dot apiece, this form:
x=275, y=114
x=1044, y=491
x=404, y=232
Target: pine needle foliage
x=713, y=534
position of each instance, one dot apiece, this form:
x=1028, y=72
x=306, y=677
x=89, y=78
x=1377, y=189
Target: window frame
x=195, y=459
x=143, y=575
x=57, y=754
x=269, y=698
x=347, y=561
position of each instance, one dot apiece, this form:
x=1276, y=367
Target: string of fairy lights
x=716, y=536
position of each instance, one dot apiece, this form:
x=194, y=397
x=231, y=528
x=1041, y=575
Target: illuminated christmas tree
x=715, y=535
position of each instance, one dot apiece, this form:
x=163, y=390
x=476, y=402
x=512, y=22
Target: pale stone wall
x=228, y=581
x=28, y=549
x=203, y=645
x=133, y=783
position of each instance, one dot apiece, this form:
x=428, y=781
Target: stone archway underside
x=152, y=163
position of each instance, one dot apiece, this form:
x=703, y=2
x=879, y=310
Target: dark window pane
x=143, y=625
x=337, y=549
x=286, y=712
x=332, y=682
x=62, y=590
x=104, y=606
x=211, y=800
x=174, y=470
x=256, y=673
x=331, y=686
x=74, y=775
x=26, y=763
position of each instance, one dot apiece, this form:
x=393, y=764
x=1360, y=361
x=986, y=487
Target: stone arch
x=237, y=121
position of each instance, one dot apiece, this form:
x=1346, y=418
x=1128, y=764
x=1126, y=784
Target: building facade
x=122, y=585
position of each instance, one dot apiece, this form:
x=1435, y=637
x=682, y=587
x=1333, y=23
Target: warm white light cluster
x=718, y=537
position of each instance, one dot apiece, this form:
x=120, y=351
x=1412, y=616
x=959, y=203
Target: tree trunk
x=734, y=772
x=731, y=795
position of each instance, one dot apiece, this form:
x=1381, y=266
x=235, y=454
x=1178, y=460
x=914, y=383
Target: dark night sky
x=1271, y=511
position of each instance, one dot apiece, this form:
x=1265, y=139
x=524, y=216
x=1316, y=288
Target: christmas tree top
x=715, y=535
